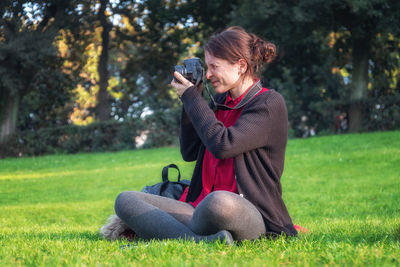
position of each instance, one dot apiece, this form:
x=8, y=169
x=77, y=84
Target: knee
x=221, y=198
x=122, y=203
x=220, y=205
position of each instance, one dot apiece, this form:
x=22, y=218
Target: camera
x=192, y=70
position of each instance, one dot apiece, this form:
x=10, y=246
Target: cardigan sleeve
x=188, y=139
x=259, y=119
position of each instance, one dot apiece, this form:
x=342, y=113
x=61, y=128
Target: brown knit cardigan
x=257, y=141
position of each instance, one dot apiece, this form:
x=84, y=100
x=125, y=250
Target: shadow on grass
x=355, y=238
x=90, y=236
x=397, y=233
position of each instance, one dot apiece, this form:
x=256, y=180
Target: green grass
x=345, y=189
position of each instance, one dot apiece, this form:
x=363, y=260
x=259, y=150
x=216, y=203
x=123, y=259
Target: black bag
x=167, y=188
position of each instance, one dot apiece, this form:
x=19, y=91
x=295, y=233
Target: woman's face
x=223, y=75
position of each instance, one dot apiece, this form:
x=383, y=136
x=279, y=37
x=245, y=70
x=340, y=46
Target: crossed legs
x=152, y=216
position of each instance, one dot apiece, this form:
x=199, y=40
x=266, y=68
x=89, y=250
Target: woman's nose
x=208, y=74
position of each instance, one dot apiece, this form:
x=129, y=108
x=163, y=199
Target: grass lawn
x=345, y=189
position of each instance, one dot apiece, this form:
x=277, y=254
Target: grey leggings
x=219, y=214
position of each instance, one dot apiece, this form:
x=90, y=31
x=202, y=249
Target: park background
x=83, y=76
x=93, y=75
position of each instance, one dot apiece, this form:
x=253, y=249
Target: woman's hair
x=235, y=43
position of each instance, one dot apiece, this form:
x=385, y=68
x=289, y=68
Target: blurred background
x=87, y=75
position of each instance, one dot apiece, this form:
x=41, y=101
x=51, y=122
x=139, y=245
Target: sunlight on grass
x=63, y=174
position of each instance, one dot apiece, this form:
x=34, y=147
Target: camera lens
x=181, y=69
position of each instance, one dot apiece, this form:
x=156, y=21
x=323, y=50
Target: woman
x=235, y=193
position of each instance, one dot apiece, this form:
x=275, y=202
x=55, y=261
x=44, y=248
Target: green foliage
x=302, y=70
x=163, y=128
x=30, y=63
x=47, y=105
x=101, y=136
x=380, y=114
x=159, y=129
x=154, y=37
x=343, y=188
x=316, y=40
x=152, y=40
x=209, y=16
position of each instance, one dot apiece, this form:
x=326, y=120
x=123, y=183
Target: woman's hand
x=182, y=86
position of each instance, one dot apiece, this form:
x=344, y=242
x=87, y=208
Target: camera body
x=192, y=70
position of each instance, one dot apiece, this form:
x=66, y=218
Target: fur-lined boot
x=115, y=228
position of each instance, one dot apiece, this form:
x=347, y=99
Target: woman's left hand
x=182, y=86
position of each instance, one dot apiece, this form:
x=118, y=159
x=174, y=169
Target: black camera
x=192, y=69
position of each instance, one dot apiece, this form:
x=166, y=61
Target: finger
x=182, y=79
x=179, y=76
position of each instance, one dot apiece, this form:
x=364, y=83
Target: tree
x=151, y=37
x=304, y=30
x=103, y=106
x=28, y=60
x=302, y=70
x=365, y=20
x=145, y=36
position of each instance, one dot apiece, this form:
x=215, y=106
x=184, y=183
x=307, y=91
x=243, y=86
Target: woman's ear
x=242, y=66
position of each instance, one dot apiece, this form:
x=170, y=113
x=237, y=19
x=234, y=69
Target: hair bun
x=263, y=51
x=269, y=52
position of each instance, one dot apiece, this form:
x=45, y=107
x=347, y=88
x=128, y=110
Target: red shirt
x=219, y=174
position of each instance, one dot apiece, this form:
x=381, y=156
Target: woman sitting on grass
x=235, y=193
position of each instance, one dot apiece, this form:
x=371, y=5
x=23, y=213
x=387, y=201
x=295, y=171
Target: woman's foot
x=222, y=236
x=115, y=228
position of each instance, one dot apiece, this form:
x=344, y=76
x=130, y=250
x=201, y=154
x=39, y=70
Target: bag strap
x=164, y=173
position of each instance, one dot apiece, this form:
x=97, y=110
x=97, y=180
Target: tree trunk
x=361, y=48
x=103, y=107
x=9, y=105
